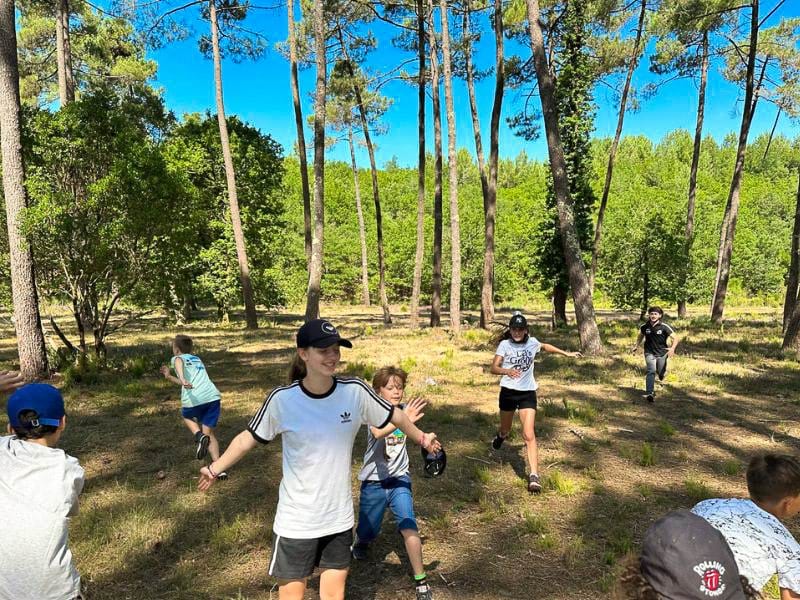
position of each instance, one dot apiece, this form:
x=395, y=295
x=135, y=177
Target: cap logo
x=711, y=573
x=328, y=328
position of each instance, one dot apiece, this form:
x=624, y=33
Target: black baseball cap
x=320, y=333
x=435, y=462
x=518, y=321
x=685, y=558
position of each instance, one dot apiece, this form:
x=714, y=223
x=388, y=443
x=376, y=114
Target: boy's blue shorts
x=206, y=414
x=394, y=492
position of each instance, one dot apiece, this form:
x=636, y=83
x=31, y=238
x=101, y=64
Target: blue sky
x=259, y=93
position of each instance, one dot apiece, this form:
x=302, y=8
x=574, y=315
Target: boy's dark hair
x=384, y=374
x=657, y=309
x=773, y=477
x=184, y=343
x=27, y=431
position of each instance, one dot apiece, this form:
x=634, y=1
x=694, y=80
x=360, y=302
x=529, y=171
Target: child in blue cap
x=39, y=489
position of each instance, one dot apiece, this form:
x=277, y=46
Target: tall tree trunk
x=645, y=284
x=301, y=136
x=698, y=138
x=578, y=280
x=416, y=285
x=66, y=77
x=612, y=155
x=732, y=207
x=559, y=316
x=452, y=167
x=793, y=281
x=315, y=264
x=436, y=283
x=230, y=177
x=373, y=168
x=27, y=322
x=490, y=200
x=362, y=236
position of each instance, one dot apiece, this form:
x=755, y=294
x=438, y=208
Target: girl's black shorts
x=511, y=400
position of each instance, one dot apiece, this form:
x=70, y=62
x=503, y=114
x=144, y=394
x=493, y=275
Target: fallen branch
x=478, y=460
x=67, y=344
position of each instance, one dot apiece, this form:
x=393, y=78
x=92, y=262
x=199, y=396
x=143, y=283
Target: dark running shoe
x=424, y=592
x=360, y=551
x=222, y=476
x=534, y=485
x=202, y=445
x=650, y=398
x=498, y=441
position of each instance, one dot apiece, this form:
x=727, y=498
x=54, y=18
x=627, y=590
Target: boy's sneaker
x=498, y=441
x=650, y=398
x=424, y=592
x=534, y=485
x=202, y=445
x=360, y=551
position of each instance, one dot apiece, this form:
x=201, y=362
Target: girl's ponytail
x=297, y=368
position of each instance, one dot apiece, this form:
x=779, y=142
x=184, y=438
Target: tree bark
x=362, y=236
x=315, y=264
x=490, y=200
x=301, y=136
x=612, y=155
x=376, y=198
x=793, y=281
x=452, y=167
x=66, y=77
x=25, y=298
x=732, y=207
x=578, y=280
x=559, y=316
x=416, y=285
x=698, y=138
x=251, y=317
x=436, y=283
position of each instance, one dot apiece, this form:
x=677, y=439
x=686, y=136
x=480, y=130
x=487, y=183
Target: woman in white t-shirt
x=514, y=361
x=317, y=416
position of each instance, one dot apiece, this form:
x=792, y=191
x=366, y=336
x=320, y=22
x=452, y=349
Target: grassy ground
x=611, y=463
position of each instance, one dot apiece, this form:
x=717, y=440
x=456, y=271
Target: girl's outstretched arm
x=551, y=348
x=241, y=445
x=426, y=440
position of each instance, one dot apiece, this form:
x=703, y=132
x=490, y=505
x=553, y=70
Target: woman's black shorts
x=511, y=400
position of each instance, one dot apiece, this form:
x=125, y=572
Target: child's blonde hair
x=384, y=374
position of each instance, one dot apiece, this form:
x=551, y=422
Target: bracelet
x=422, y=440
x=210, y=470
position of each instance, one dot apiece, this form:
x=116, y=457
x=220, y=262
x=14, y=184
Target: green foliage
x=648, y=457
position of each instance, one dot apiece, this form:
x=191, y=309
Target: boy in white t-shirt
x=39, y=489
x=752, y=527
x=514, y=361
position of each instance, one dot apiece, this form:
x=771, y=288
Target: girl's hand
x=10, y=380
x=414, y=408
x=186, y=384
x=670, y=353
x=206, y=479
x=430, y=443
x=634, y=349
x=574, y=354
x=164, y=371
x=514, y=373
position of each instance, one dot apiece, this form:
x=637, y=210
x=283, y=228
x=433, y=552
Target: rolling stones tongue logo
x=711, y=573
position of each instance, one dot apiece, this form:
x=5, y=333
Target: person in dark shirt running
x=660, y=342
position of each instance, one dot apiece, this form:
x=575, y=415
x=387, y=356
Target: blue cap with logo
x=320, y=333
x=42, y=398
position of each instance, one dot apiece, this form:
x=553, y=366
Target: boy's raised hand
x=414, y=408
x=10, y=380
x=206, y=479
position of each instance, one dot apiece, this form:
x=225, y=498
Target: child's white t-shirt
x=317, y=433
x=520, y=357
x=39, y=489
x=760, y=543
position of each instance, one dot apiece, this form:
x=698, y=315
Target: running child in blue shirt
x=385, y=480
x=200, y=398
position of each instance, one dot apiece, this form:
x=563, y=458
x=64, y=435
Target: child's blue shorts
x=394, y=492
x=205, y=414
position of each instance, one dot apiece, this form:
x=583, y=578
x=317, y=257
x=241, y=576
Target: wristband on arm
x=213, y=474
